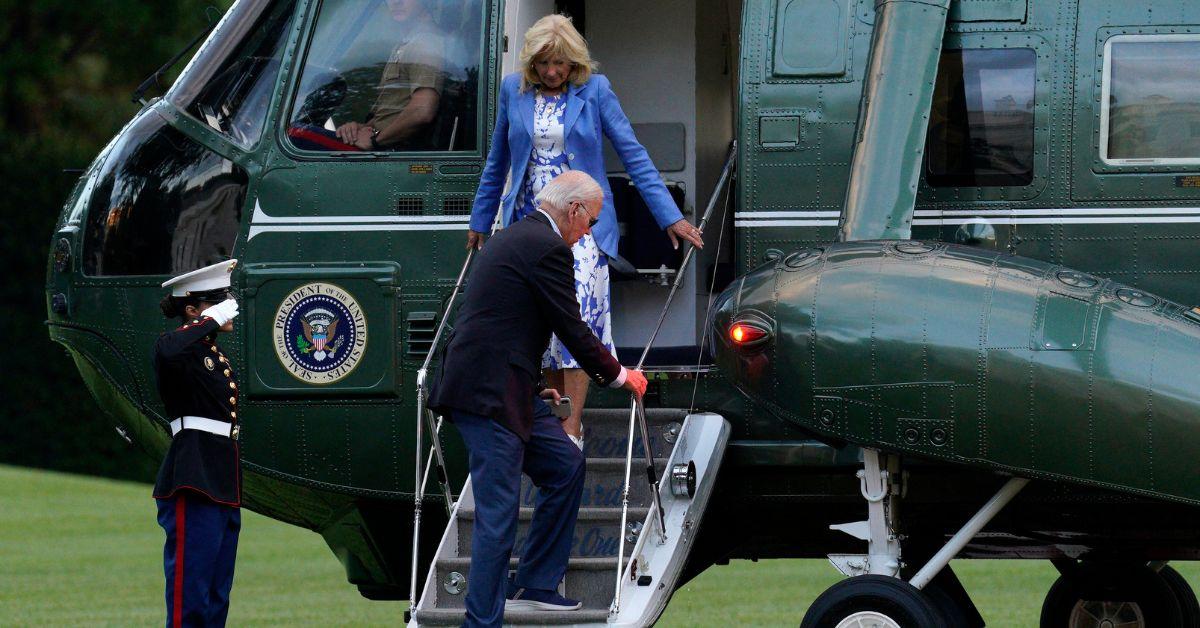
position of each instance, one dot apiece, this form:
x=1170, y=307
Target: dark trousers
x=497, y=458
x=198, y=558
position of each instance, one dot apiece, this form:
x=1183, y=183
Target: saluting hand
x=222, y=312
x=682, y=229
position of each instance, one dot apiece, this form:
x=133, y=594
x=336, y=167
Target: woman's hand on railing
x=635, y=382
x=684, y=230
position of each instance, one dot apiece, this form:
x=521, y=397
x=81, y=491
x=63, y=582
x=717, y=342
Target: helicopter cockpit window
x=229, y=85
x=981, y=123
x=391, y=75
x=163, y=204
x=1150, y=103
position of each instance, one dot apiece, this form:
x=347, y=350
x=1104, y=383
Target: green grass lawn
x=78, y=551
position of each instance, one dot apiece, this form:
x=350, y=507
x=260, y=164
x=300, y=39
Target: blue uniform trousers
x=497, y=458
x=198, y=558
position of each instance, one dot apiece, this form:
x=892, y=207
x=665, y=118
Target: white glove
x=223, y=312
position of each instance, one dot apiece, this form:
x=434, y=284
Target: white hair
x=568, y=187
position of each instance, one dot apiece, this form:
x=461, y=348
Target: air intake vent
x=456, y=205
x=410, y=206
x=421, y=327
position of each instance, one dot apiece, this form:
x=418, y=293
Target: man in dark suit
x=522, y=289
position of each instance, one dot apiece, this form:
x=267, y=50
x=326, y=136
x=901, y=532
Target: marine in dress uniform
x=198, y=489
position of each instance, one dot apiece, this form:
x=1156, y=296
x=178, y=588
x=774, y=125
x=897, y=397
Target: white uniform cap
x=215, y=277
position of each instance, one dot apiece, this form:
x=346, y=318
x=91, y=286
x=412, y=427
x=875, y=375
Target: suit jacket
x=521, y=289
x=196, y=379
x=592, y=111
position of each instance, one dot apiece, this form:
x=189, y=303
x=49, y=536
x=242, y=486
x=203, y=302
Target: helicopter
x=948, y=288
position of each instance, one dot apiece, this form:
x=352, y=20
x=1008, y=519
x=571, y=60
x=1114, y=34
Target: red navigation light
x=743, y=333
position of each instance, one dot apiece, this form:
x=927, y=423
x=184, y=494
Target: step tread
x=590, y=513
x=454, y=616
x=653, y=415
x=578, y=564
x=639, y=462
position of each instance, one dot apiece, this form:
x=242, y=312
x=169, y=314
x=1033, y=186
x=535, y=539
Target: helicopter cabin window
x=1150, y=102
x=981, y=122
x=229, y=85
x=398, y=75
x=163, y=204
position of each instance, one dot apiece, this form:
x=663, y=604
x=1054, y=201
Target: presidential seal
x=319, y=333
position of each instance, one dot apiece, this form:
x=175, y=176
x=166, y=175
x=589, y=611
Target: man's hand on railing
x=635, y=382
x=475, y=239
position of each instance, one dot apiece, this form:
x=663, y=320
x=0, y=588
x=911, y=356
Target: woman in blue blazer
x=552, y=117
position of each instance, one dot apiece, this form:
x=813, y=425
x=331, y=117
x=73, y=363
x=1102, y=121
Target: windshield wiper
x=153, y=79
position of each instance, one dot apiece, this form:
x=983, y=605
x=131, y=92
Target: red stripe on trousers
x=180, y=537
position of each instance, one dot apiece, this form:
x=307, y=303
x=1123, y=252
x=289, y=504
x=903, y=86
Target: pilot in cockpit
x=406, y=86
x=411, y=84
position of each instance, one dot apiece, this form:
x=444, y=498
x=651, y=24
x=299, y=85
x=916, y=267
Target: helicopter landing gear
x=948, y=595
x=880, y=486
x=850, y=604
x=1125, y=595
x=1189, y=607
x=873, y=601
x=875, y=596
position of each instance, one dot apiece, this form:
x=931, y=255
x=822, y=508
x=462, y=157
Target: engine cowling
x=972, y=357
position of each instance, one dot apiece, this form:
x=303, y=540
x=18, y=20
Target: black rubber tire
x=1136, y=584
x=956, y=616
x=897, y=599
x=1189, y=607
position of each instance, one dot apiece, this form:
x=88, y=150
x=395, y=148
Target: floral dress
x=547, y=160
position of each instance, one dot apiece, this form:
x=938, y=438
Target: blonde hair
x=555, y=35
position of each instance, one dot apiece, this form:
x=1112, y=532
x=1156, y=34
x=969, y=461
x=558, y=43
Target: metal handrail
x=637, y=411
x=435, y=456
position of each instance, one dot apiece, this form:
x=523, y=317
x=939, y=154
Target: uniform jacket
x=196, y=379
x=592, y=110
x=521, y=289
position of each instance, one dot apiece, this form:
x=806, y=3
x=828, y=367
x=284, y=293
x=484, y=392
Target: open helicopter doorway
x=673, y=65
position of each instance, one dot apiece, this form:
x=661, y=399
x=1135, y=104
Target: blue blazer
x=592, y=109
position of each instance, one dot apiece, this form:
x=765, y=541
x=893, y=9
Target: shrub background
x=67, y=70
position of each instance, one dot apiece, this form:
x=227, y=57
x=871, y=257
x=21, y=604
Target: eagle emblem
x=320, y=334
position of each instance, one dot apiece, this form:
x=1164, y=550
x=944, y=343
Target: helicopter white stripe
x=358, y=220
x=339, y=228
x=262, y=217
x=787, y=214
x=935, y=217
x=783, y=223
x=924, y=213
x=1063, y=211
x=933, y=222
x=1064, y=220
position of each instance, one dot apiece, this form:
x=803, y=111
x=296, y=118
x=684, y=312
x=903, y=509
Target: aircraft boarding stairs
x=676, y=439
x=634, y=531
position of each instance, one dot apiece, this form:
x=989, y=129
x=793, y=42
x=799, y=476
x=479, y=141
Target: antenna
x=153, y=79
